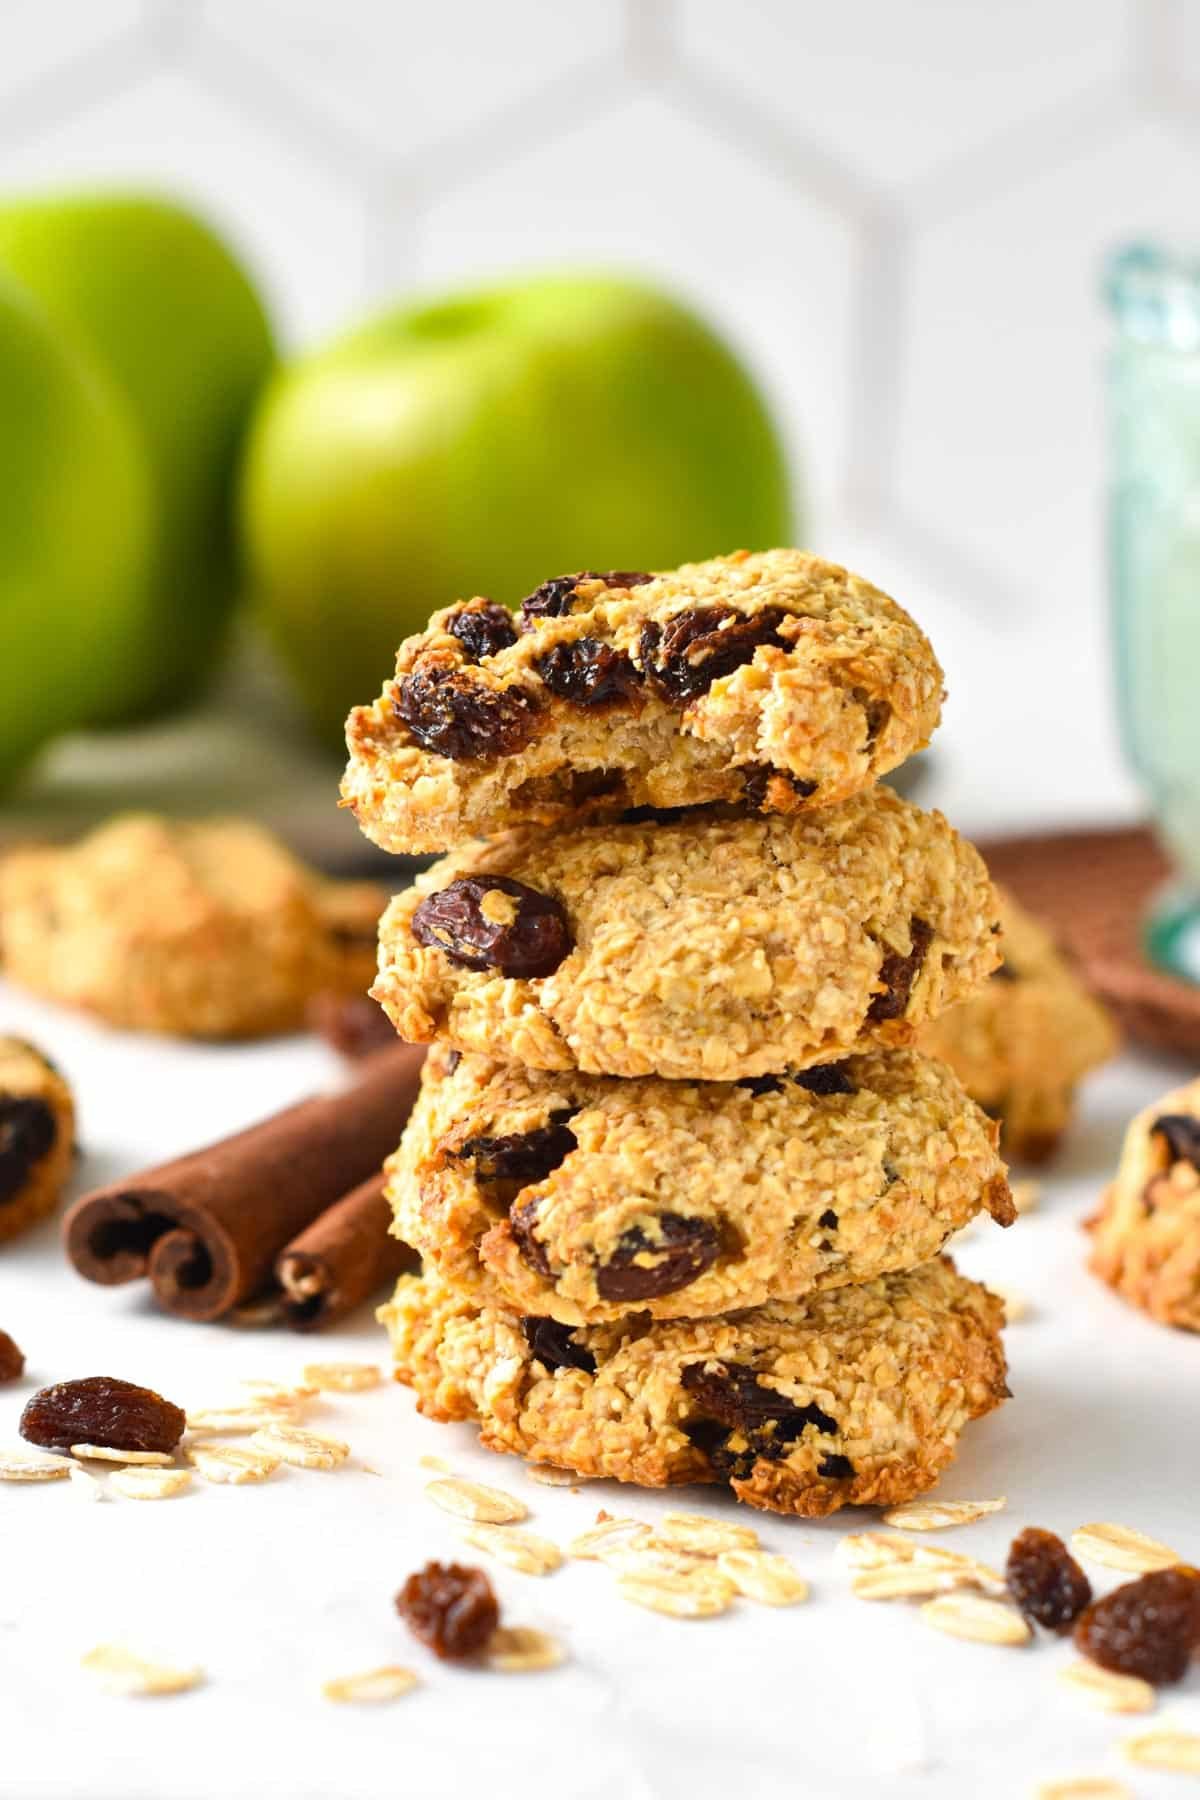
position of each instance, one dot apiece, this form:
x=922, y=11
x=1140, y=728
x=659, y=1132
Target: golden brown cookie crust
x=892, y=1372
x=1022, y=1044
x=207, y=930
x=710, y=947
x=843, y=689
x=686, y=1199
x=37, y=1136
x=1146, y=1235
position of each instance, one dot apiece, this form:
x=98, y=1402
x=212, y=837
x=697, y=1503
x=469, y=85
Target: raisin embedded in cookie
x=1024, y=1042
x=777, y=681
x=1146, y=1235
x=37, y=1136
x=854, y=1397
x=206, y=930
x=581, y=1198
x=704, y=947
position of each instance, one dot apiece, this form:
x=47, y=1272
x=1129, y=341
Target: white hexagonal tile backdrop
x=896, y=207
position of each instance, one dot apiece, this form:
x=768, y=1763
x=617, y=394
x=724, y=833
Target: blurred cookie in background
x=204, y=930
x=1023, y=1043
x=1146, y=1235
x=37, y=1136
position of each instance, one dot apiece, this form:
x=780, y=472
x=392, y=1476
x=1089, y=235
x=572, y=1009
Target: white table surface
x=273, y=1589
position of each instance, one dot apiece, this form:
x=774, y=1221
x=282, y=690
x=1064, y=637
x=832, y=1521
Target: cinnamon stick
x=206, y=1229
x=345, y=1256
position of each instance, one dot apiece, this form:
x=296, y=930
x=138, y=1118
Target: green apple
x=157, y=301
x=75, y=533
x=479, y=445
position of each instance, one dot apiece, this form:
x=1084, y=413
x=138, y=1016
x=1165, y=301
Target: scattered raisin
x=353, y=1024
x=452, y=715
x=28, y=1129
x=449, y=1607
x=12, y=1362
x=745, y=1421
x=554, y=1345
x=641, y=1268
x=521, y=1220
x=836, y=1468
x=589, y=673
x=898, y=973
x=688, y=653
x=1045, y=1580
x=483, y=629
x=1181, y=1134
x=527, y=937
x=102, y=1410
x=553, y=598
x=757, y=779
x=522, y=1157
x=828, y=1220
x=1148, y=1627
x=826, y=1078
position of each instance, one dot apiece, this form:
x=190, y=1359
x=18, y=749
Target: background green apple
x=483, y=444
x=158, y=302
x=75, y=533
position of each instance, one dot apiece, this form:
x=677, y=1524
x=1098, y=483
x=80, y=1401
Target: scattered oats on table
x=121, y=1671
x=707, y=1537
x=303, y=1449
x=905, y=1581
x=26, y=1465
x=1166, y=1748
x=973, y=1616
x=758, y=1575
x=1084, y=1787
x=472, y=1500
x=150, y=1484
x=522, y=1649
x=1106, y=1689
x=232, y=1464
x=939, y=1515
x=1120, y=1547
x=85, y=1485
x=371, y=1686
x=520, y=1550
x=157, y=1459
x=700, y=1595
x=601, y=1540
x=343, y=1377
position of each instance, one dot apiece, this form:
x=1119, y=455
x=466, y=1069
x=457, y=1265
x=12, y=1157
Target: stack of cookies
x=679, y=1180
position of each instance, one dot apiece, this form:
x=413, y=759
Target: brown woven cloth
x=1092, y=888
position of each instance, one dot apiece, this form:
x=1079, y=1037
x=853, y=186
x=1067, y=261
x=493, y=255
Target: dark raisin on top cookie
x=452, y=715
x=482, y=629
x=589, y=673
x=552, y=599
x=687, y=653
